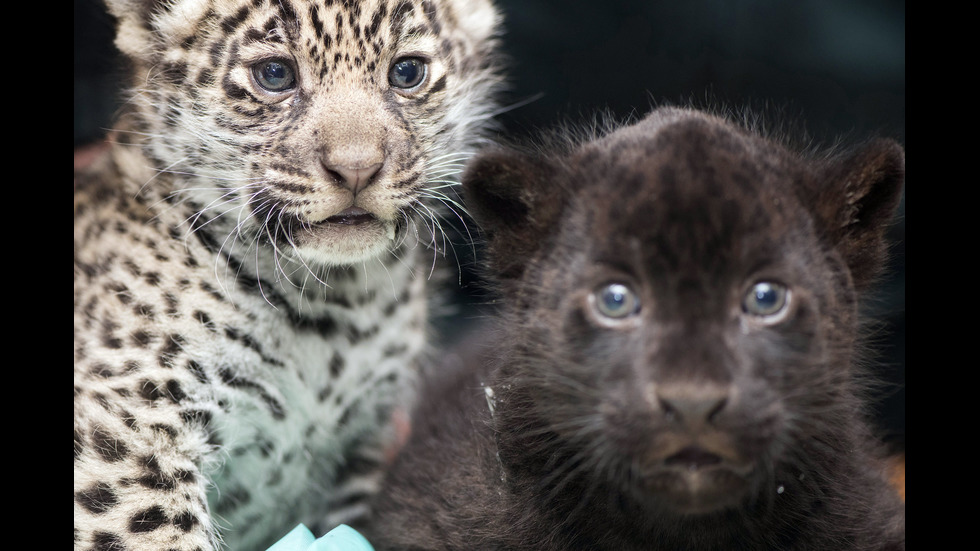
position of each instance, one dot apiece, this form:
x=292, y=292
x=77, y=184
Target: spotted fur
x=251, y=260
x=639, y=394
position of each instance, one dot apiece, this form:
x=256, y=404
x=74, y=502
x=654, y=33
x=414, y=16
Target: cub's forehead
x=368, y=16
x=690, y=159
x=304, y=19
x=682, y=182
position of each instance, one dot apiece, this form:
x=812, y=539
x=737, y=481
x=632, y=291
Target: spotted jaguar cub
x=676, y=364
x=251, y=259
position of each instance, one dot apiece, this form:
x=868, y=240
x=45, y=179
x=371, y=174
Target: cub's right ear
x=146, y=27
x=515, y=199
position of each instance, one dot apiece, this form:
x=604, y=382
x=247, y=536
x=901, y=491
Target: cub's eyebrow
x=272, y=32
x=406, y=23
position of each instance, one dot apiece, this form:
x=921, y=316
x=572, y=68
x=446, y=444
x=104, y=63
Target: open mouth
x=352, y=235
x=693, y=458
x=352, y=216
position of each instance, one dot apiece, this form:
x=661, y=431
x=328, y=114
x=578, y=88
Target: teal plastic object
x=341, y=538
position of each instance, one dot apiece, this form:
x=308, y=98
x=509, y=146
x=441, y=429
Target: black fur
x=697, y=420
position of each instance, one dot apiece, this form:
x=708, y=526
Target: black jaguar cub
x=676, y=363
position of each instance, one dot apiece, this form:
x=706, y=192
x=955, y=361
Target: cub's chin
x=696, y=491
x=695, y=479
x=352, y=237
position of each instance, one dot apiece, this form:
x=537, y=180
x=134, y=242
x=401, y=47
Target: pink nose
x=354, y=178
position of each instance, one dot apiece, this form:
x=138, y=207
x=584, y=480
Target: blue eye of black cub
x=407, y=72
x=766, y=299
x=274, y=75
x=615, y=301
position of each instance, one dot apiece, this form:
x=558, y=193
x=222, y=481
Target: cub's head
x=325, y=129
x=680, y=305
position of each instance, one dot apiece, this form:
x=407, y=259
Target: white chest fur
x=301, y=399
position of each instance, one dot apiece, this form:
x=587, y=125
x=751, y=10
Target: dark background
x=833, y=67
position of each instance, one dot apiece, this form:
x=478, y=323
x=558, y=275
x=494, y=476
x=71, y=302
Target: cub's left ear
x=860, y=194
